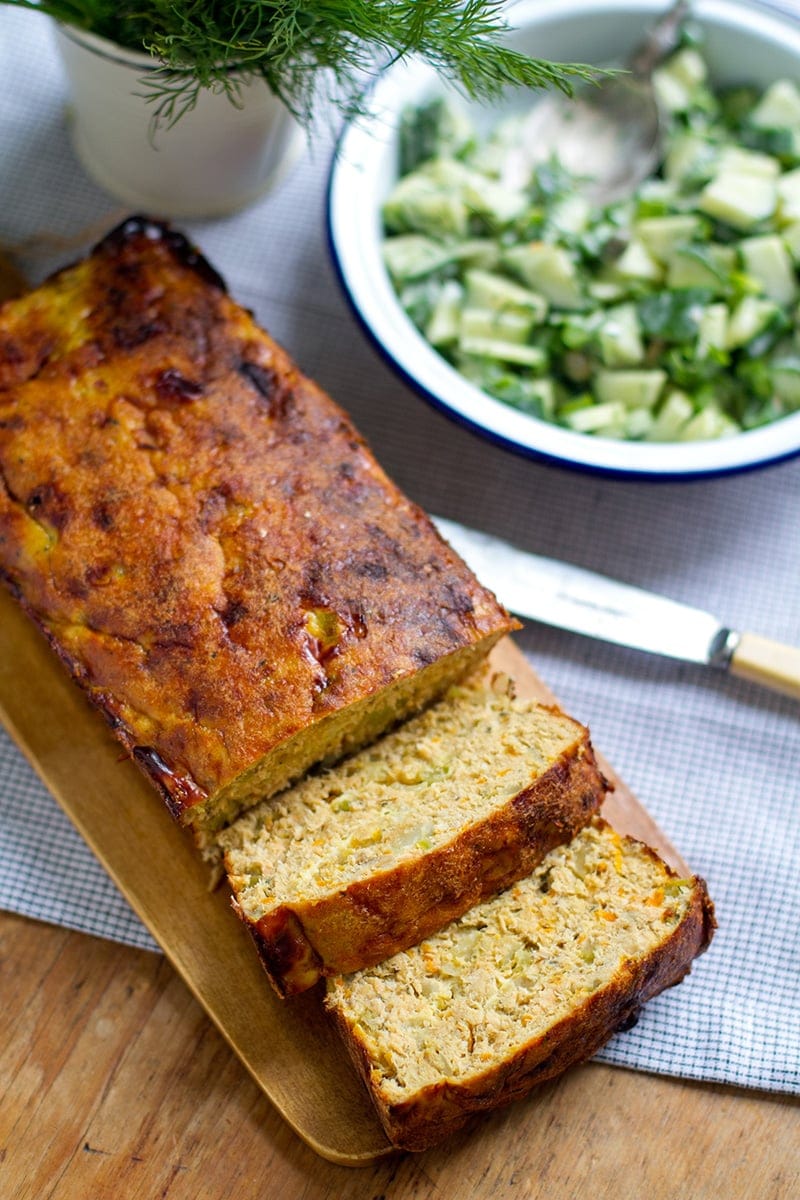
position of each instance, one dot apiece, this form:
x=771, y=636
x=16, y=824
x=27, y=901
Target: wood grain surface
x=116, y=1086
x=116, y=1083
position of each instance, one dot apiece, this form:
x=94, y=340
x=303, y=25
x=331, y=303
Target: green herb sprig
x=298, y=47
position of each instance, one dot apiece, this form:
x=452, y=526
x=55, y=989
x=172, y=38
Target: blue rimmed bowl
x=744, y=43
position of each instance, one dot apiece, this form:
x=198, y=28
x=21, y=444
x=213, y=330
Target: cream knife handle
x=768, y=663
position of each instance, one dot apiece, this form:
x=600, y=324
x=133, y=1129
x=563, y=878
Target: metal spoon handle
x=662, y=38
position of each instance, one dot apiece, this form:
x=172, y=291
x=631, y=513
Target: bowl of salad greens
x=657, y=336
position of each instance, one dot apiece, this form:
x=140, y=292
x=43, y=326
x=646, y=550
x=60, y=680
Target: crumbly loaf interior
x=500, y=976
x=412, y=792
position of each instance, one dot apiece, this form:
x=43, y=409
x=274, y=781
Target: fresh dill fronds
x=303, y=50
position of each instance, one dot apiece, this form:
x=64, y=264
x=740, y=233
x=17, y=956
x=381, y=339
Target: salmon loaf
x=522, y=987
x=375, y=854
x=205, y=539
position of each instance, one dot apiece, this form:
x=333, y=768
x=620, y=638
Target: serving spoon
x=609, y=134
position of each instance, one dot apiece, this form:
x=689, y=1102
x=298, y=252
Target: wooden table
x=115, y=1085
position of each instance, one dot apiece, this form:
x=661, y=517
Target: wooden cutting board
x=288, y=1047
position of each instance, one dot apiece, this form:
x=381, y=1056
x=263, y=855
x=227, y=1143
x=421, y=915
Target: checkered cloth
x=717, y=762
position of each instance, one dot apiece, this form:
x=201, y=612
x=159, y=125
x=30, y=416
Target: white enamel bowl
x=744, y=44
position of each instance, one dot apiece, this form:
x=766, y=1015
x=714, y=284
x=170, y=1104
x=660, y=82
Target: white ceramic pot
x=216, y=159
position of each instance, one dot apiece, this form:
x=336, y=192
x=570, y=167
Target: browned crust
x=373, y=919
x=438, y=1111
x=176, y=498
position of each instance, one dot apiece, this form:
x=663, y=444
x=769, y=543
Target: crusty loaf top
x=197, y=527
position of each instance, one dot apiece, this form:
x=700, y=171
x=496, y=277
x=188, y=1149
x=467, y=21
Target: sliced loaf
x=373, y=855
x=205, y=539
x=523, y=986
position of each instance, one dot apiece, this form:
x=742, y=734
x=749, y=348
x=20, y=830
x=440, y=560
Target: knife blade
x=573, y=598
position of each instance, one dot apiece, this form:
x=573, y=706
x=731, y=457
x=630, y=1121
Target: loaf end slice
x=522, y=987
x=206, y=540
x=377, y=853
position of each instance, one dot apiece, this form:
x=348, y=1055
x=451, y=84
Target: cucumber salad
x=669, y=316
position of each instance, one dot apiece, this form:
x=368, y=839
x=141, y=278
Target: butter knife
x=581, y=601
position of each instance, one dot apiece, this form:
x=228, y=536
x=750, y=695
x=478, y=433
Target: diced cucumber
x=606, y=291
x=688, y=67
x=571, y=214
x=786, y=380
x=638, y=423
x=671, y=94
x=549, y=270
x=767, y=260
x=488, y=158
x=710, y=422
x=779, y=107
x=501, y=351
x=412, y=256
x=671, y=417
x=657, y=191
x=678, y=80
x=697, y=266
x=722, y=256
x=483, y=253
x=495, y=325
x=636, y=263
x=633, y=389
x=416, y=205
x=534, y=396
x=501, y=336
x=689, y=156
x=661, y=236
x=478, y=193
x=497, y=204
x=471, y=190
x=789, y=196
x=739, y=199
x=621, y=337
x=750, y=318
x=579, y=329
x=487, y=290
x=746, y=162
x=597, y=416
x=712, y=331
x=447, y=174
x=445, y=323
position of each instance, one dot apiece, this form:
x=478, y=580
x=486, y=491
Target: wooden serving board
x=288, y=1047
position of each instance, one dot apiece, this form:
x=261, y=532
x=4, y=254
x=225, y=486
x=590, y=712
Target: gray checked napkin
x=716, y=761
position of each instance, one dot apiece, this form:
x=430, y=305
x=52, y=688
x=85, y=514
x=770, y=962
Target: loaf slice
x=522, y=986
x=205, y=539
x=373, y=855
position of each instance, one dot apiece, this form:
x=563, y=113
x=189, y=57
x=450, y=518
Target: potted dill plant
x=194, y=109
